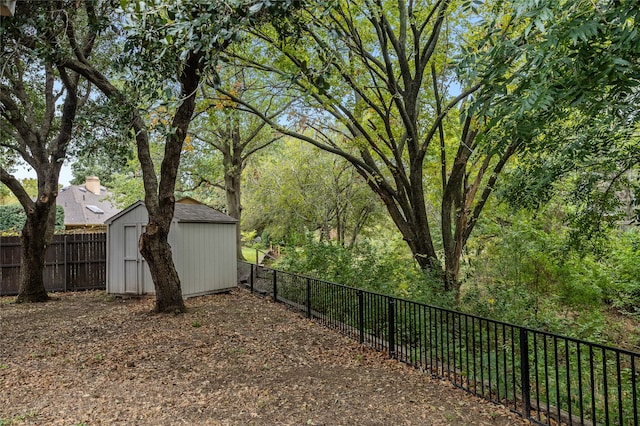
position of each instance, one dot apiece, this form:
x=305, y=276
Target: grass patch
x=249, y=254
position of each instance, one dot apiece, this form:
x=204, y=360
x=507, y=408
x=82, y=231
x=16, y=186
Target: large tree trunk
x=45, y=154
x=232, y=187
x=154, y=246
x=233, y=167
x=36, y=237
x=415, y=233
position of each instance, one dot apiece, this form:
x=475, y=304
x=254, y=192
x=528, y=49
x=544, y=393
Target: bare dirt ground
x=233, y=359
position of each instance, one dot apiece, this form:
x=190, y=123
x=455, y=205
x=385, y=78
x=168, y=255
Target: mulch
x=233, y=359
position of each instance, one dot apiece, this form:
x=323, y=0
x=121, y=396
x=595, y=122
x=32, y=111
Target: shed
x=203, y=244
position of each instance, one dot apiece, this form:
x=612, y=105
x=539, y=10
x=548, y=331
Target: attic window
x=95, y=209
x=82, y=189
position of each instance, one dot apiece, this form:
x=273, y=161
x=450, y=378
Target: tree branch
x=16, y=188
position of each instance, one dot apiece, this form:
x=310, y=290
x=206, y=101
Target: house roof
x=186, y=213
x=83, y=207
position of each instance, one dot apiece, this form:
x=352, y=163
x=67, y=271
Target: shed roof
x=200, y=213
x=187, y=213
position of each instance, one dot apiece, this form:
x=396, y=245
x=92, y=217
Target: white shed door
x=132, y=263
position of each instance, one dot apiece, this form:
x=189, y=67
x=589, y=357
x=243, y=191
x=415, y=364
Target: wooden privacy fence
x=73, y=262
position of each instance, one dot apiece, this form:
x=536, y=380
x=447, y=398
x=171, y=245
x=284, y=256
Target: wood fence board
x=72, y=262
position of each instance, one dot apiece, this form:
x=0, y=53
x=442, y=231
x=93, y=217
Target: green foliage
x=103, y=143
x=29, y=184
x=526, y=271
x=161, y=35
x=12, y=218
x=59, y=218
x=521, y=270
x=544, y=56
x=127, y=188
x=5, y=194
x=564, y=78
x=620, y=278
x=295, y=188
x=383, y=266
x=127, y=185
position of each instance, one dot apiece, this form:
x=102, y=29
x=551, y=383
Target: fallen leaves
x=88, y=358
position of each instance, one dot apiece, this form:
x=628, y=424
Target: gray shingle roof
x=74, y=199
x=200, y=213
x=186, y=213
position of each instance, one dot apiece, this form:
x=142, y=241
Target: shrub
x=380, y=266
x=12, y=218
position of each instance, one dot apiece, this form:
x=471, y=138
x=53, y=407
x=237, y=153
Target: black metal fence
x=73, y=262
x=546, y=378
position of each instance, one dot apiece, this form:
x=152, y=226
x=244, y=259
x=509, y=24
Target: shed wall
x=207, y=257
x=116, y=247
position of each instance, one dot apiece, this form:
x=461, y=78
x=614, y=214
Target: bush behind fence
x=542, y=376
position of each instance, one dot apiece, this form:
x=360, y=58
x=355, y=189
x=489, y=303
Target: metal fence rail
x=72, y=262
x=546, y=378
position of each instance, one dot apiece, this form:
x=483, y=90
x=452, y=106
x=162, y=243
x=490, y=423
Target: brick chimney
x=92, y=183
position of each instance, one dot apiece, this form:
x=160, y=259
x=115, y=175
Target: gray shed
x=203, y=243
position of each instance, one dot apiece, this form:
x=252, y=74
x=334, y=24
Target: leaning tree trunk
x=159, y=196
x=36, y=237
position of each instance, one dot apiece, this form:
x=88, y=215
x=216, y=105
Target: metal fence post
x=308, y=298
x=251, y=277
x=361, y=315
x=392, y=328
x=524, y=373
x=275, y=285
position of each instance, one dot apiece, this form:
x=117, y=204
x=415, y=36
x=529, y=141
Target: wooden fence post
x=65, y=261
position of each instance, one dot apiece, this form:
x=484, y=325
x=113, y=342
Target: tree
x=571, y=71
x=38, y=103
x=235, y=134
x=379, y=91
x=171, y=47
x=296, y=188
x=103, y=146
